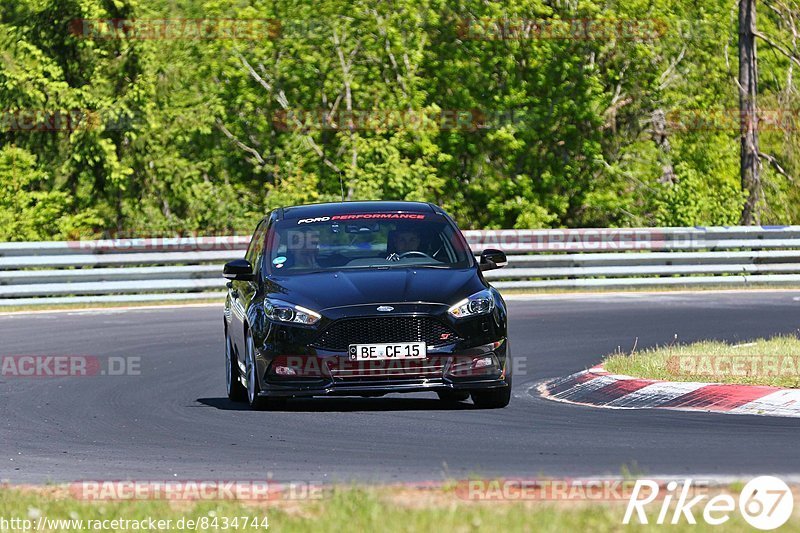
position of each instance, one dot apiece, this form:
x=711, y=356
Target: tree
x=750, y=165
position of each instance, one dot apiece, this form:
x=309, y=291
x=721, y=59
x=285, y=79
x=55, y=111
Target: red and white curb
x=599, y=388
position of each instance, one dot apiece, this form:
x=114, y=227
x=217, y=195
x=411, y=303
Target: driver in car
x=406, y=241
x=403, y=241
x=303, y=248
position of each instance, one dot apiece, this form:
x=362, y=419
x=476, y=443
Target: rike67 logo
x=765, y=503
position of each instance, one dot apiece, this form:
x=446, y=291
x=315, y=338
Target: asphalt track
x=173, y=421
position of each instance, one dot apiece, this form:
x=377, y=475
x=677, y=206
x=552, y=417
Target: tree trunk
x=748, y=121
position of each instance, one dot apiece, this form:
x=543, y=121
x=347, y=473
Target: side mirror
x=492, y=259
x=238, y=270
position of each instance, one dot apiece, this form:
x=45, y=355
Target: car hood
x=338, y=288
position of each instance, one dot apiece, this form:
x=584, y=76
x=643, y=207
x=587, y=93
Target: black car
x=364, y=299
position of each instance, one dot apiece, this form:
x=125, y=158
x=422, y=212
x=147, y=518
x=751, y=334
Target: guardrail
x=155, y=269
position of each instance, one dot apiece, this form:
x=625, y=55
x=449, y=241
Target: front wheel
x=492, y=398
x=259, y=403
x=236, y=391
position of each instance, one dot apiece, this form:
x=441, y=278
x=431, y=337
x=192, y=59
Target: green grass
x=774, y=361
x=360, y=509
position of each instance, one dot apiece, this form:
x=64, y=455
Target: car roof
x=346, y=208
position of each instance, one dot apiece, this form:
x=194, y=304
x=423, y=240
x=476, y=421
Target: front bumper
x=291, y=361
x=380, y=388
x=334, y=374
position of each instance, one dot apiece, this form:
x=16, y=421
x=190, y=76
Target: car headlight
x=293, y=314
x=480, y=303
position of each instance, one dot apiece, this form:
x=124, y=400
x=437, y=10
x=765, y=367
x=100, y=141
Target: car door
x=242, y=292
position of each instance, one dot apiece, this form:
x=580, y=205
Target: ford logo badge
x=385, y=308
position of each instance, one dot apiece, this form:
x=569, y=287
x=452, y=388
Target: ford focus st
x=364, y=299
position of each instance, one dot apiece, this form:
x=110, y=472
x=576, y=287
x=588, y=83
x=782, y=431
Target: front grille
x=342, y=333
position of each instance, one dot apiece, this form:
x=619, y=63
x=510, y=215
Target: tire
x=452, y=396
x=258, y=403
x=235, y=389
x=492, y=398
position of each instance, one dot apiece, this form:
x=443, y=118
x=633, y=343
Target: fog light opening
x=281, y=370
x=297, y=367
x=483, y=362
x=473, y=366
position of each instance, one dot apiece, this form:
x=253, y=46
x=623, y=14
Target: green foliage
x=707, y=190
x=525, y=131
x=28, y=213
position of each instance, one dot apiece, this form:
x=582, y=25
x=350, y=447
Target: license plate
x=400, y=350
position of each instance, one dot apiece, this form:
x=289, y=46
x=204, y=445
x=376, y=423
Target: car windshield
x=373, y=240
